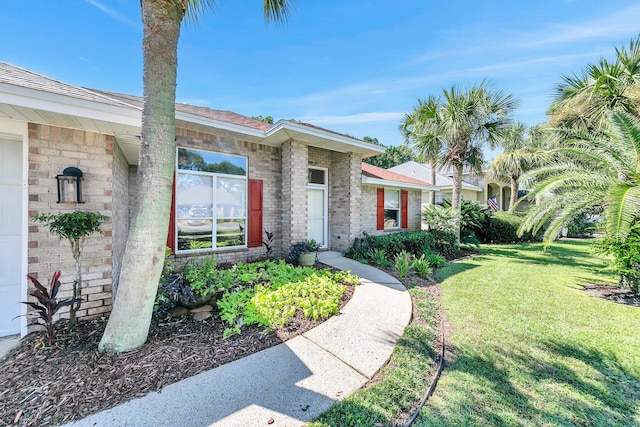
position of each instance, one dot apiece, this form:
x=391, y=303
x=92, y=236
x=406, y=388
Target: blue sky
x=350, y=66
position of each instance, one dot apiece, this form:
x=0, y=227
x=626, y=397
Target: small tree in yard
x=75, y=227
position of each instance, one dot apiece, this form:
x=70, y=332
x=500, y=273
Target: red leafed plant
x=47, y=305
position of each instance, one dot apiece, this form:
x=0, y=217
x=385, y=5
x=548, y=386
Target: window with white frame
x=391, y=208
x=211, y=198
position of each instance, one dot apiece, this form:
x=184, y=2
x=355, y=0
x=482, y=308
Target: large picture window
x=211, y=198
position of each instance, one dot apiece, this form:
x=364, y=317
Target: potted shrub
x=304, y=252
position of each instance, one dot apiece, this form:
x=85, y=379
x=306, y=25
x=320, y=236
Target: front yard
x=526, y=346
x=531, y=347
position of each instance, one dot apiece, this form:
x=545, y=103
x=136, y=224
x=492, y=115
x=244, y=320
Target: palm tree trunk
x=514, y=192
x=128, y=324
x=432, y=170
x=456, y=197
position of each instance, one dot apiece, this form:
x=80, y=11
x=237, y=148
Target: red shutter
x=380, y=210
x=404, y=205
x=171, y=237
x=254, y=235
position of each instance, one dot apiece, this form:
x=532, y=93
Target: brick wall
x=51, y=150
x=415, y=210
x=345, y=201
x=264, y=164
x=294, y=192
x=368, y=213
x=121, y=215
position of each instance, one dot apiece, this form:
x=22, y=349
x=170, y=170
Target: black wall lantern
x=70, y=186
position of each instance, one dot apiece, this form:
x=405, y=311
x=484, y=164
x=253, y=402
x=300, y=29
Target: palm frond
x=623, y=209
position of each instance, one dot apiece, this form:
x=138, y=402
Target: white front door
x=316, y=216
x=10, y=235
x=317, y=206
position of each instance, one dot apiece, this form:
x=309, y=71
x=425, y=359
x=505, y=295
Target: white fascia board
x=396, y=184
x=321, y=133
x=218, y=124
x=466, y=186
x=47, y=101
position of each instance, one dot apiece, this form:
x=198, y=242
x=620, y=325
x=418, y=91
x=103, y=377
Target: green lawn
x=531, y=348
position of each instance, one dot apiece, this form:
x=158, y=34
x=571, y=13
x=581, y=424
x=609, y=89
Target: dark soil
x=42, y=386
x=614, y=293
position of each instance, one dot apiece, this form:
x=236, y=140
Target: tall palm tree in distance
x=522, y=151
x=427, y=145
x=466, y=120
x=128, y=325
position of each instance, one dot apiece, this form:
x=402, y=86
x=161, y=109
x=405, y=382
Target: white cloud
x=616, y=25
x=194, y=101
x=113, y=14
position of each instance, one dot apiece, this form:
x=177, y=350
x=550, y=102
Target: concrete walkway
x=290, y=383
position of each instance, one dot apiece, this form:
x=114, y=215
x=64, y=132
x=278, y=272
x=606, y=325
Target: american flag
x=492, y=202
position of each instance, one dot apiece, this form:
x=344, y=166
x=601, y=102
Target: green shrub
x=379, y=257
x=360, y=254
x=443, y=243
x=316, y=297
x=434, y=260
x=581, y=226
x=269, y=293
x=414, y=242
x=439, y=218
x=202, y=277
x=420, y=266
x=502, y=227
x=233, y=310
x=402, y=263
x=473, y=216
x=625, y=257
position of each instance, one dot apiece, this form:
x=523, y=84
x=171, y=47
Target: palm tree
x=426, y=144
x=603, y=171
x=464, y=121
x=581, y=102
x=143, y=258
x=523, y=150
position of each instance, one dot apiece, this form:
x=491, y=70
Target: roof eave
x=46, y=101
x=367, y=180
x=284, y=130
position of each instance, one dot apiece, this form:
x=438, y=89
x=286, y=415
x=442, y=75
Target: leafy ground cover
x=70, y=380
x=531, y=347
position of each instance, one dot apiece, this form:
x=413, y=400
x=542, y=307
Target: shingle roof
x=16, y=76
x=224, y=116
x=309, y=125
x=380, y=173
x=422, y=171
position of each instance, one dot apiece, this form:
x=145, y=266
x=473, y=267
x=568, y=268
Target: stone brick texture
x=51, y=150
x=109, y=188
x=368, y=215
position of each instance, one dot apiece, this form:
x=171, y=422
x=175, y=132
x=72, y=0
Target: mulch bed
x=42, y=386
x=613, y=293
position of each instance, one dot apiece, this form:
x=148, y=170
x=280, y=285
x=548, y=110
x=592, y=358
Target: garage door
x=10, y=235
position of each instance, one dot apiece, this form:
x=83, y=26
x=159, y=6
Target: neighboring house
x=397, y=198
x=235, y=178
x=475, y=188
